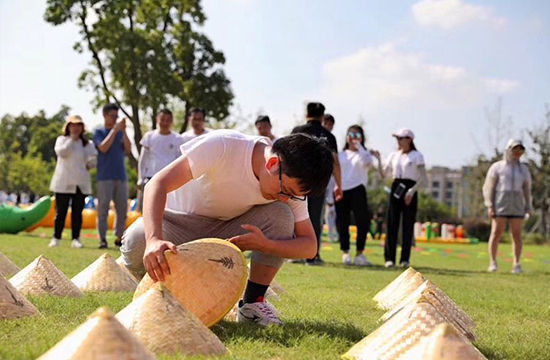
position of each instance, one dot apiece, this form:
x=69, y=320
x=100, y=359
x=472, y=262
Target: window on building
x=448, y=203
x=448, y=195
x=449, y=185
x=435, y=194
x=435, y=184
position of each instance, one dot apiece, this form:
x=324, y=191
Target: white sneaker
x=389, y=264
x=517, y=269
x=346, y=259
x=404, y=264
x=361, y=260
x=261, y=313
x=54, y=242
x=492, y=267
x=76, y=244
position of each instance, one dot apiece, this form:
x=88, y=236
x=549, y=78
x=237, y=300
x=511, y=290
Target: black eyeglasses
x=281, y=192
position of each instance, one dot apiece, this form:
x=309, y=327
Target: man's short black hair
x=315, y=110
x=262, y=118
x=307, y=159
x=166, y=112
x=329, y=118
x=109, y=107
x=197, y=110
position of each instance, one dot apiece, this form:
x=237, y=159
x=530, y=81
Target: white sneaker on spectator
x=361, y=260
x=54, y=242
x=261, y=313
x=517, y=269
x=346, y=259
x=492, y=267
x=76, y=244
x=404, y=264
x=389, y=264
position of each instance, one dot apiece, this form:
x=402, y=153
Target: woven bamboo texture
x=104, y=274
x=12, y=303
x=428, y=292
x=103, y=337
x=7, y=268
x=120, y=262
x=405, y=288
x=444, y=343
x=42, y=277
x=164, y=326
x=394, y=338
x=388, y=290
x=207, y=276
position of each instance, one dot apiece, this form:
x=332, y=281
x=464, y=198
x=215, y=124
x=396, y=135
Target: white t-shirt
x=353, y=167
x=190, y=134
x=404, y=165
x=223, y=185
x=158, y=151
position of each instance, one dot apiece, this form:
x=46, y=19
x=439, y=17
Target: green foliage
x=145, y=53
x=434, y=211
x=29, y=174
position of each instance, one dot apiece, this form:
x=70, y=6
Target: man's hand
x=491, y=213
x=154, y=259
x=338, y=193
x=121, y=125
x=408, y=198
x=254, y=240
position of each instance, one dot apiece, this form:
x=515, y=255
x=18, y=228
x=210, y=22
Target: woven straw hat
x=276, y=287
x=12, y=303
x=399, y=334
x=6, y=266
x=207, y=276
x=405, y=288
x=444, y=343
x=42, y=277
x=104, y=274
x=100, y=337
x=428, y=292
x=165, y=327
x=396, y=283
x=120, y=262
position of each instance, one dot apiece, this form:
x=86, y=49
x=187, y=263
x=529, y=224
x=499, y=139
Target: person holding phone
x=507, y=195
x=355, y=160
x=407, y=167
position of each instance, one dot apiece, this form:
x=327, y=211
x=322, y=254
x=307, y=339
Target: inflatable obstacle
x=15, y=219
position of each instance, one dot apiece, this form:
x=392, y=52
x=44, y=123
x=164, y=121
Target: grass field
x=325, y=309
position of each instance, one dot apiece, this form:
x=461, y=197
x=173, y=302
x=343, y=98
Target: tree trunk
x=137, y=135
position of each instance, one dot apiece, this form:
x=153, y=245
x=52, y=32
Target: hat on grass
x=12, y=303
x=104, y=274
x=164, y=326
x=6, y=266
x=120, y=262
x=399, y=288
x=207, y=276
x=404, y=132
x=42, y=277
x=100, y=337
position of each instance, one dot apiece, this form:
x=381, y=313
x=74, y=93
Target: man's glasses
x=354, y=135
x=281, y=192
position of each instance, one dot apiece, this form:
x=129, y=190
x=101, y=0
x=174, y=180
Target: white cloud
x=385, y=78
x=448, y=14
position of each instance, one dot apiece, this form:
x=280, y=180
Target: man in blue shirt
x=112, y=143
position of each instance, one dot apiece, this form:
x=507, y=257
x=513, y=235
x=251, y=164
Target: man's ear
x=272, y=164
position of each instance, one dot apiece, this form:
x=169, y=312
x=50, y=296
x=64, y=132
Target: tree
x=29, y=174
x=145, y=53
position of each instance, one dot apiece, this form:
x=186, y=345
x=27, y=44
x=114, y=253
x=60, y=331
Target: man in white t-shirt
x=196, y=120
x=263, y=125
x=158, y=148
x=241, y=188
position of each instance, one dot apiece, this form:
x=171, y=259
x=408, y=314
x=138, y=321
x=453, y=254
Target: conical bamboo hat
x=104, y=274
x=276, y=287
x=6, y=266
x=428, y=292
x=165, y=327
x=398, y=335
x=100, y=337
x=207, y=276
x=42, y=277
x=120, y=262
x=444, y=343
x=405, y=288
x=12, y=303
x=396, y=283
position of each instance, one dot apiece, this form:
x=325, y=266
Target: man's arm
x=338, y=194
x=168, y=179
x=127, y=143
x=303, y=246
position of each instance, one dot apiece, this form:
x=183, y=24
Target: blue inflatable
x=89, y=203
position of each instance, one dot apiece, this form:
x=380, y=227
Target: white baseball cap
x=404, y=132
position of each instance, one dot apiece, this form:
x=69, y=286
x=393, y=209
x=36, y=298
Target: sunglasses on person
x=354, y=135
x=281, y=192
x=402, y=137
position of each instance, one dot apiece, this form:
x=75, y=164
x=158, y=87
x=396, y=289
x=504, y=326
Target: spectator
x=507, y=194
x=71, y=179
x=263, y=125
x=112, y=143
x=196, y=119
x=329, y=211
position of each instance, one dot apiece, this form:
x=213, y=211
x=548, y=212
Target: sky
x=437, y=67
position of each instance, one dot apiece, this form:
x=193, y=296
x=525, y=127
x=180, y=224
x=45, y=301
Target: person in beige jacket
x=71, y=179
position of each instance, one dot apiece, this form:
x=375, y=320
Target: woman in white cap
x=71, y=179
x=407, y=167
x=507, y=195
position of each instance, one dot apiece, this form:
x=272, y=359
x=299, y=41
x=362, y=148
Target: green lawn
x=325, y=309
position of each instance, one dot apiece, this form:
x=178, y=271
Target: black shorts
x=510, y=216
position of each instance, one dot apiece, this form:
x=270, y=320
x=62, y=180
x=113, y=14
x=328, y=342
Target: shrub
x=477, y=228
